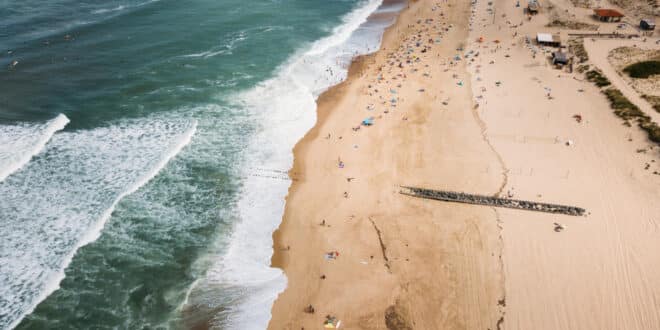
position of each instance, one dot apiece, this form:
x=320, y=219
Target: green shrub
x=621, y=105
x=654, y=100
x=576, y=46
x=652, y=129
x=582, y=68
x=629, y=111
x=597, y=78
x=643, y=69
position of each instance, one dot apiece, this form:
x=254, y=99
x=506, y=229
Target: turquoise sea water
x=144, y=146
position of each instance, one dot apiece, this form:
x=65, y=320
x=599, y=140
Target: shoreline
x=322, y=111
x=394, y=287
x=460, y=101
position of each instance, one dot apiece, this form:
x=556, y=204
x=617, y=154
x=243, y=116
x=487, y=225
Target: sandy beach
x=459, y=100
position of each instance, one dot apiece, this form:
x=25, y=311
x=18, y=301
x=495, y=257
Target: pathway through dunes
x=599, y=50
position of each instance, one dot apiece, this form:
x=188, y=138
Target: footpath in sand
x=400, y=262
x=601, y=271
x=598, y=51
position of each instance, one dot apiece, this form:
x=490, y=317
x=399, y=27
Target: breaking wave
x=19, y=143
x=62, y=198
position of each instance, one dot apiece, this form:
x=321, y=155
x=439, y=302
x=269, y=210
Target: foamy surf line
x=94, y=234
x=286, y=106
x=121, y=7
x=94, y=231
x=12, y=157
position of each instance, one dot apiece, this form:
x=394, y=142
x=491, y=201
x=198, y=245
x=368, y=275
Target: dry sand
x=602, y=271
x=407, y=263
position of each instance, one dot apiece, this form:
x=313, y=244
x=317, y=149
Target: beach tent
x=533, y=7
x=368, y=121
x=647, y=24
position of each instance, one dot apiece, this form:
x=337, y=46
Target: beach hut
x=533, y=7
x=647, y=24
x=548, y=39
x=608, y=15
x=559, y=58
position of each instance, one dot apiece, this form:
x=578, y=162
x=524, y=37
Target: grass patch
x=597, y=78
x=654, y=100
x=571, y=25
x=643, y=69
x=576, y=46
x=622, y=106
x=652, y=129
x=582, y=68
x=629, y=111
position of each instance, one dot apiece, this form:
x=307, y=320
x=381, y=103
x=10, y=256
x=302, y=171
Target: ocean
x=144, y=150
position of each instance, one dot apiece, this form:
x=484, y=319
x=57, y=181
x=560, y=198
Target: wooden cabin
x=548, y=39
x=608, y=15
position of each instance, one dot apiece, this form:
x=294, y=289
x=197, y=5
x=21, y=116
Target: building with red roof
x=608, y=15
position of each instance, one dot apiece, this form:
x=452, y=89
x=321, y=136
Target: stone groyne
x=459, y=197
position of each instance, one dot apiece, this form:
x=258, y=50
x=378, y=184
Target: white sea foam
x=19, y=143
x=122, y=7
x=209, y=53
x=232, y=40
x=343, y=32
x=107, y=10
x=285, y=106
x=61, y=200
